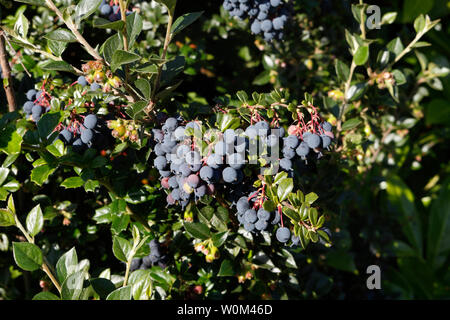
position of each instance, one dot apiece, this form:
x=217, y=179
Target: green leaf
x=219, y=238
x=226, y=269
x=421, y=44
x=168, y=91
x=262, y=78
x=169, y=4
x=72, y=287
x=269, y=205
x=438, y=235
x=311, y=197
x=313, y=216
x=342, y=70
x=67, y=264
x=353, y=40
x=357, y=11
x=121, y=57
x=171, y=69
x=10, y=141
x=399, y=77
x=263, y=261
x=40, y=174
x=284, y=188
x=135, y=111
x=106, y=24
x=291, y=214
x=420, y=24
x=72, y=182
x=224, y=121
x=48, y=123
x=395, y=46
x=288, y=258
x=197, y=230
x=57, y=148
x=85, y=8
x=45, y=295
x=351, y=124
x=27, y=256
x=134, y=27
x=142, y=289
x=242, y=96
x=3, y=174
x=6, y=218
x=123, y=293
x=103, y=287
x=184, y=21
x=33, y=2
x=35, y=221
x=402, y=201
x=11, y=205
x=389, y=18
x=146, y=68
x=21, y=26
x=121, y=248
x=120, y=223
x=324, y=235
x=144, y=87
x=356, y=91
x=61, y=34
x=162, y=277
x=361, y=55
x=110, y=46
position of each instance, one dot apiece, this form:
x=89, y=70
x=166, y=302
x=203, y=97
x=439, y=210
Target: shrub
x=152, y=151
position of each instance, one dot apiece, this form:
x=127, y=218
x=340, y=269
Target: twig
x=7, y=81
x=123, y=15
x=44, y=266
x=37, y=50
x=167, y=40
x=74, y=30
x=2, y=32
x=350, y=76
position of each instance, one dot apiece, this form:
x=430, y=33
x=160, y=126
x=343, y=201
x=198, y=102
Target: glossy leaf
x=197, y=230
x=121, y=248
x=27, y=256
x=67, y=264
x=184, y=21
x=35, y=221
x=123, y=293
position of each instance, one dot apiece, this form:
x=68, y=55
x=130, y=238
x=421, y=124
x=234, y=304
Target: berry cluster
x=267, y=17
x=188, y=170
x=155, y=258
x=111, y=10
x=98, y=76
x=193, y=162
x=306, y=140
x=38, y=103
x=124, y=129
x=91, y=133
x=253, y=216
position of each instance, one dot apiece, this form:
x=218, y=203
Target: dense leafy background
x=371, y=202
